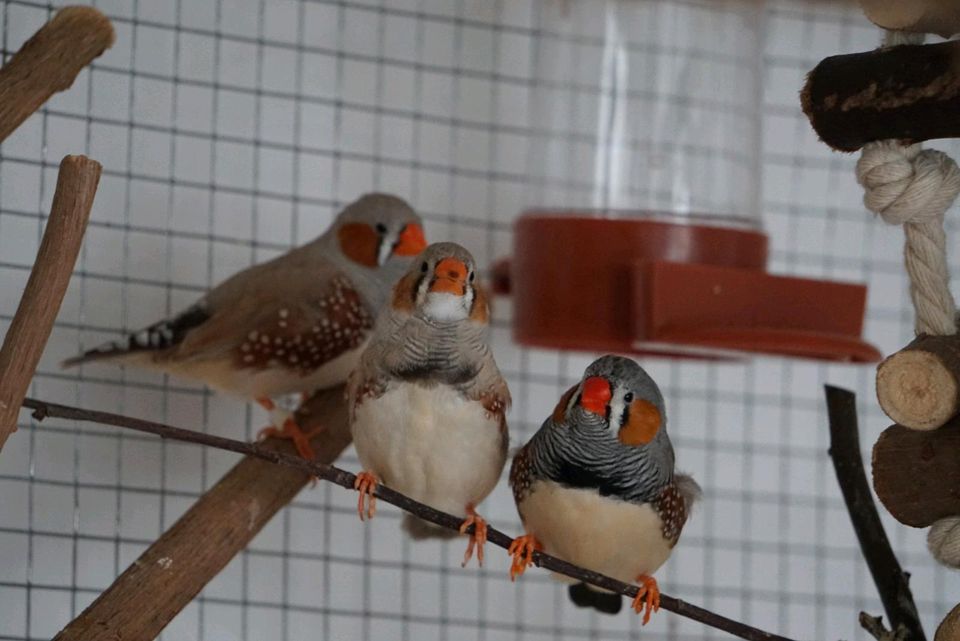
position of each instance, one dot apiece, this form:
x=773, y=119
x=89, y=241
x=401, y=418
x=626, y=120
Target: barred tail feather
x=418, y=529
x=156, y=337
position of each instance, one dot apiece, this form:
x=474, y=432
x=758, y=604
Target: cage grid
x=231, y=129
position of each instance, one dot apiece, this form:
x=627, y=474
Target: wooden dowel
x=941, y=17
x=917, y=474
x=919, y=386
x=33, y=321
x=949, y=629
x=173, y=570
x=909, y=93
x=49, y=62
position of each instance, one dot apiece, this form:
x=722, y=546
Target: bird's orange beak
x=595, y=395
x=411, y=241
x=450, y=277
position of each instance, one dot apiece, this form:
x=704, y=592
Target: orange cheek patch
x=560, y=412
x=359, y=243
x=481, y=308
x=642, y=425
x=403, y=292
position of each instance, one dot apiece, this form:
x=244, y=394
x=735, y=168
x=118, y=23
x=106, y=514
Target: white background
x=231, y=129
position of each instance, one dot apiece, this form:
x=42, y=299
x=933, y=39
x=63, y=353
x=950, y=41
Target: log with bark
x=909, y=93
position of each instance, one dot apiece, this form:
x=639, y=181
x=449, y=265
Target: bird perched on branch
x=428, y=404
x=297, y=323
x=596, y=485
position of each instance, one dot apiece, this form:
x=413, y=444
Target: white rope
x=914, y=187
x=943, y=539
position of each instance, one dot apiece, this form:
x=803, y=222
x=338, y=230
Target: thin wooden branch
x=919, y=386
x=50, y=61
x=346, y=479
x=889, y=577
x=173, y=570
x=941, y=17
x=33, y=321
x=909, y=93
x=874, y=625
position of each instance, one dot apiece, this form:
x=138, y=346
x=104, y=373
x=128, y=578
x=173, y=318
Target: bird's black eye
x=628, y=397
x=472, y=275
x=423, y=267
x=381, y=228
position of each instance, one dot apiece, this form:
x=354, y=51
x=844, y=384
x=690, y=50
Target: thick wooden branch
x=949, y=629
x=50, y=61
x=909, y=93
x=917, y=474
x=919, y=386
x=173, y=570
x=116, y=606
x=888, y=576
x=33, y=321
x=941, y=17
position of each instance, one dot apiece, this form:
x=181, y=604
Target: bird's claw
x=522, y=550
x=477, y=538
x=366, y=483
x=648, y=597
x=291, y=431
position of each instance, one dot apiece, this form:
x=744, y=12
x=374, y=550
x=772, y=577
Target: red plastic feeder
x=656, y=286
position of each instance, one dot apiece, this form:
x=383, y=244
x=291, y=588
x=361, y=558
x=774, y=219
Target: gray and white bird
x=294, y=324
x=428, y=404
x=596, y=485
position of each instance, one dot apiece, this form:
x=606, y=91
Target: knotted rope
x=911, y=186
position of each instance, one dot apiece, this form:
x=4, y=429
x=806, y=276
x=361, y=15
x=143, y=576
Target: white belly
x=430, y=444
x=613, y=537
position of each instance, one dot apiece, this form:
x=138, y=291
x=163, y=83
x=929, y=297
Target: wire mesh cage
x=230, y=130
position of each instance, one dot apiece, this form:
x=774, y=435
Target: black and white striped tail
x=156, y=337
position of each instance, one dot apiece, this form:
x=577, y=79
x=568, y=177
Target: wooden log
x=949, y=629
x=50, y=61
x=33, y=320
x=909, y=93
x=173, y=570
x=941, y=17
x=916, y=475
x=919, y=386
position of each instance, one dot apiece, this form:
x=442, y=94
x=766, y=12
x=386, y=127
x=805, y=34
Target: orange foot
x=477, y=539
x=290, y=430
x=366, y=483
x=648, y=597
x=522, y=550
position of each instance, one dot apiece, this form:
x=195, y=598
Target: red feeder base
x=652, y=287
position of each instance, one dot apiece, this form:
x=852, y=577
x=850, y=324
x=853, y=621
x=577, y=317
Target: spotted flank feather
x=157, y=337
x=301, y=339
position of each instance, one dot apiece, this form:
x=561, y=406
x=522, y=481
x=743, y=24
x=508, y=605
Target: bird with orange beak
x=596, y=485
x=295, y=324
x=428, y=404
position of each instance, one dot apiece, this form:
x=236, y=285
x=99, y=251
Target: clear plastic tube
x=649, y=106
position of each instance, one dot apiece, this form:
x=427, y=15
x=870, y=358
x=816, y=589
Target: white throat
x=444, y=307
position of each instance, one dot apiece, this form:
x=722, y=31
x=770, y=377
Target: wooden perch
x=50, y=61
x=919, y=386
x=173, y=570
x=909, y=93
x=888, y=576
x=33, y=321
x=941, y=17
x=130, y=609
x=949, y=629
x=917, y=474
